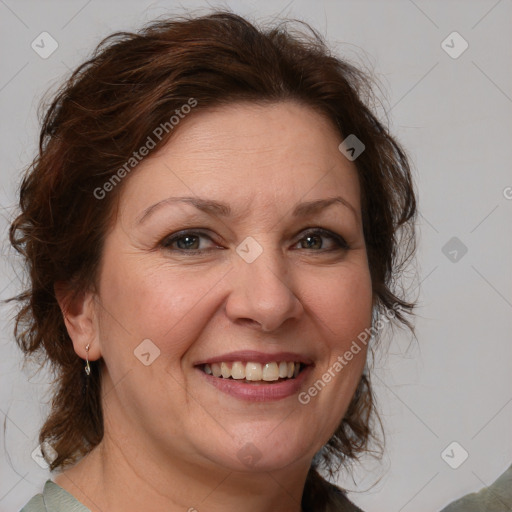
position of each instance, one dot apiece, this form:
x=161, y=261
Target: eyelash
x=168, y=241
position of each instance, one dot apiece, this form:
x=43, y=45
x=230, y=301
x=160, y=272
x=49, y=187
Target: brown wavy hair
x=105, y=112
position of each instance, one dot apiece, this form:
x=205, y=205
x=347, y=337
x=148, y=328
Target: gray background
x=454, y=117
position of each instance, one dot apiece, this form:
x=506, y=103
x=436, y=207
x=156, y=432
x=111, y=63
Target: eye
x=186, y=241
x=190, y=241
x=313, y=239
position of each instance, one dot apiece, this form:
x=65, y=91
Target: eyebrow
x=215, y=208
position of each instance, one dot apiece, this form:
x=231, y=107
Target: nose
x=263, y=292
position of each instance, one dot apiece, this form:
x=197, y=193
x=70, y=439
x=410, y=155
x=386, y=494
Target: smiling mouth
x=253, y=372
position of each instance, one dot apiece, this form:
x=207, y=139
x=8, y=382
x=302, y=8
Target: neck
x=120, y=476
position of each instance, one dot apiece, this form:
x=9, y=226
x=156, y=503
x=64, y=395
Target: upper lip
x=256, y=357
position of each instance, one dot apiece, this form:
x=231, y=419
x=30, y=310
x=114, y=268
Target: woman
x=212, y=222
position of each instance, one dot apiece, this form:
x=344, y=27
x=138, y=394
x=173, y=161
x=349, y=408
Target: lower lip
x=258, y=392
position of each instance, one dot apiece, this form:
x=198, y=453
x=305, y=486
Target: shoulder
x=493, y=498
x=36, y=504
x=54, y=499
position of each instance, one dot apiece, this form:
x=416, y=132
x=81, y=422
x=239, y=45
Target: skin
x=171, y=439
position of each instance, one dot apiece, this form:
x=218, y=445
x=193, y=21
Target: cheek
x=160, y=303
x=340, y=302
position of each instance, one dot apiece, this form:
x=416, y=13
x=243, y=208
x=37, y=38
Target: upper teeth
x=253, y=371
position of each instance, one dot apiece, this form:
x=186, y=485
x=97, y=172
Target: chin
x=266, y=449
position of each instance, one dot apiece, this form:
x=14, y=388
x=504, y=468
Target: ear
x=80, y=318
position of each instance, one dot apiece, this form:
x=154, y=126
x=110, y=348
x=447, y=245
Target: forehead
x=248, y=155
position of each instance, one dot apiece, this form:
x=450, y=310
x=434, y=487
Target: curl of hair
x=105, y=112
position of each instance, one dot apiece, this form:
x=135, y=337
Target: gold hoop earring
x=87, y=367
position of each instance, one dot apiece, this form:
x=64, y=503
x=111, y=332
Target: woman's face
x=249, y=272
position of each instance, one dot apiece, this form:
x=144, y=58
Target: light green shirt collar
x=54, y=499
